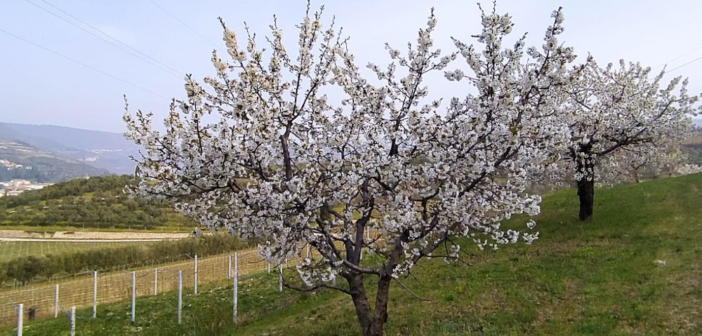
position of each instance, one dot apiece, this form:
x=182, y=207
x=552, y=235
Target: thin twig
x=316, y=287
x=411, y=292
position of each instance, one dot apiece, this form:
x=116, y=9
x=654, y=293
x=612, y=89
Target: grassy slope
x=12, y=250
x=72, y=206
x=597, y=278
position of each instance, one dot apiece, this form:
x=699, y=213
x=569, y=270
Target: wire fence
x=62, y=299
x=51, y=299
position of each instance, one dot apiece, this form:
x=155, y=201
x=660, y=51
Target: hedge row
x=30, y=268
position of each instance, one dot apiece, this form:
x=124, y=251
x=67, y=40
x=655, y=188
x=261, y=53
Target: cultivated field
x=14, y=249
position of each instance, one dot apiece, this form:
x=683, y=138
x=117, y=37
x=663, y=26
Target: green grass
x=168, y=227
x=595, y=278
x=98, y=202
x=12, y=250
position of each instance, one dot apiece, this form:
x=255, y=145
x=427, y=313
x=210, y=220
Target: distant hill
x=19, y=160
x=97, y=202
x=99, y=149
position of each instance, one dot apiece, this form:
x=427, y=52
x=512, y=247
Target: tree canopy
x=382, y=158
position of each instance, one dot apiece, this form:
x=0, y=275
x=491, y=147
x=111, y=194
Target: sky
x=41, y=81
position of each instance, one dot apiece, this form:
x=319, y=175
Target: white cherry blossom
x=619, y=115
x=263, y=152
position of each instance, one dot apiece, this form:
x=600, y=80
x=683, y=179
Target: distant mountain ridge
x=104, y=150
x=19, y=160
x=71, y=137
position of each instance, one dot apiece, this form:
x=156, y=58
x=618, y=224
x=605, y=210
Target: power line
x=677, y=58
x=688, y=63
x=183, y=23
x=82, y=64
x=101, y=38
x=113, y=38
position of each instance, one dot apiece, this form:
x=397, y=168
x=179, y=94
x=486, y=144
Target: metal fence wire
x=48, y=299
x=52, y=298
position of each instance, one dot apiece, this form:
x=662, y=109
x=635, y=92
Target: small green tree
x=25, y=269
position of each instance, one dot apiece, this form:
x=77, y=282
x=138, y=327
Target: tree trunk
x=586, y=184
x=372, y=322
x=586, y=193
x=381, y=306
x=360, y=302
x=635, y=175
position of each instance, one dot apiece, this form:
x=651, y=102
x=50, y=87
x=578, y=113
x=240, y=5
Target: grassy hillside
x=99, y=149
x=634, y=269
x=65, y=259
x=41, y=166
x=98, y=202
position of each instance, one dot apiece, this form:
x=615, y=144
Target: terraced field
x=13, y=249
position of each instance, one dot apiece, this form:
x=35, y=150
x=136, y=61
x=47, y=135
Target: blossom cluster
x=621, y=119
x=263, y=151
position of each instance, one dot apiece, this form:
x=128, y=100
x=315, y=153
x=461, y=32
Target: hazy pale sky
x=40, y=87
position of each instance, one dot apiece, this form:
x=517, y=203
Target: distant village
x=11, y=165
x=16, y=187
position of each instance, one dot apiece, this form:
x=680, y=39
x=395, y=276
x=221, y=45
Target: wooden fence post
x=180, y=294
x=56, y=301
x=133, y=295
x=195, y=276
x=72, y=322
x=20, y=315
x=95, y=279
x=236, y=285
x=280, y=278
